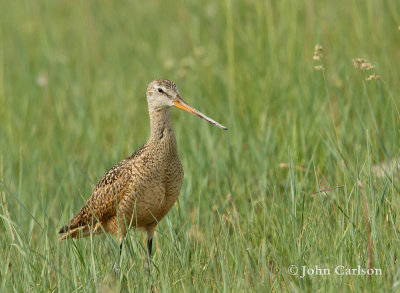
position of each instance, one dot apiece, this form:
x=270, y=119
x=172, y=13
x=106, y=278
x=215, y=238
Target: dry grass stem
x=327, y=189
x=286, y=165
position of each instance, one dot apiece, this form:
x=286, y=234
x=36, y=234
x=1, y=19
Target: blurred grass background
x=73, y=76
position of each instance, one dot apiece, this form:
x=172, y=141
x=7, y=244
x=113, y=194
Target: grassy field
x=302, y=177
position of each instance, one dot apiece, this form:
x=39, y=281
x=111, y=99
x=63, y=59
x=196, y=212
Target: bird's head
x=163, y=93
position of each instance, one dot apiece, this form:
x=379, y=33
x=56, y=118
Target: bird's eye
x=160, y=90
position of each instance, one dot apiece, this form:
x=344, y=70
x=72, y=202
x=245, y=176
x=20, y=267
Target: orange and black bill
x=182, y=105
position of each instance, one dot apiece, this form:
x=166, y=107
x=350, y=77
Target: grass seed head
x=319, y=67
x=373, y=77
x=318, y=48
x=318, y=52
x=362, y=64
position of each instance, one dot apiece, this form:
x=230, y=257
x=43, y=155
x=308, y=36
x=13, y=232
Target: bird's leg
x=115, y=268
x=148, y=269
x=149, y=248
x=150, y=233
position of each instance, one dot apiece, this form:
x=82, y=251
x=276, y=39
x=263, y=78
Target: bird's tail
x=78, y=232
x=79, y=226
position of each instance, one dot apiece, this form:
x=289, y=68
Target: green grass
x=249, y=206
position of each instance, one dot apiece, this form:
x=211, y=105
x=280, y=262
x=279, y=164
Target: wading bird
x=140, y=190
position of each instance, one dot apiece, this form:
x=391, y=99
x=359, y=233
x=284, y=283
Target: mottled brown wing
x=102, y=203
x=108, y=192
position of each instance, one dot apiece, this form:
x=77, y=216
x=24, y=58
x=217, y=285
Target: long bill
x=178, y=102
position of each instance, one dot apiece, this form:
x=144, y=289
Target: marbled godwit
x=140, y=190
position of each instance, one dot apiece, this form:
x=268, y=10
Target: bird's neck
x=161, y=126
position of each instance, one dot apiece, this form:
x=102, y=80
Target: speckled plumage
x=141, y=189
